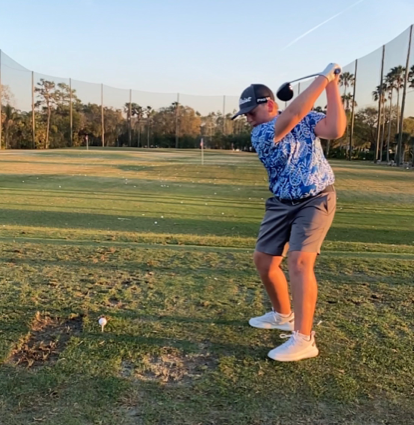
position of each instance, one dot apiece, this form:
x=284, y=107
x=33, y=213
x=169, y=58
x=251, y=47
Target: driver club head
x=285, y=92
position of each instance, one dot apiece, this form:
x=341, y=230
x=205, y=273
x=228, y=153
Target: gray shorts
x=289, y=226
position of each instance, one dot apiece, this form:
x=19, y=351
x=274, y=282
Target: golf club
x=285, y=92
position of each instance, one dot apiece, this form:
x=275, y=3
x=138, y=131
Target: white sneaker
x=273, y=320
x=296, y=348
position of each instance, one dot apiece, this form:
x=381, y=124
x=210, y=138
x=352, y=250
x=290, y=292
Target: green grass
x=79, y=240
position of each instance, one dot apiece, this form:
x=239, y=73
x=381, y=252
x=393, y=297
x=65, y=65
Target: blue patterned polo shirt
x=296, y=165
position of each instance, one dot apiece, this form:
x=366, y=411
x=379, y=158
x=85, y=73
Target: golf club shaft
x=304, y=78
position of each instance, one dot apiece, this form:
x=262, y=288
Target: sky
x=197, y=47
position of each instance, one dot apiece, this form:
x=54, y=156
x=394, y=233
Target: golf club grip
x=337, y=71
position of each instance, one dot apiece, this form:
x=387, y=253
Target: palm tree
x=411, y=77
x=348, y=101
x=397, y=77
x=390, y=87
x=149, y=115
x=128, y=112
x=10, y=117
x=176, y=108
x=346, y=80
x=379, y=94
x=48, y=99
x=137, y=111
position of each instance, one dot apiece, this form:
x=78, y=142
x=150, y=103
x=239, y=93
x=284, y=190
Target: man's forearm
x=299, y=108
x=335, y=114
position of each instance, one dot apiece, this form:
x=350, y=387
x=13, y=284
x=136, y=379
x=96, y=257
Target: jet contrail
x=322, y=23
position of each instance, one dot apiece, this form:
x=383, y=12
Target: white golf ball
x=155, y=222
x=102, y=321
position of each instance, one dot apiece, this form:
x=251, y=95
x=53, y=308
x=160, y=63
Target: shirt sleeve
x=264, y=134
x=313, y=118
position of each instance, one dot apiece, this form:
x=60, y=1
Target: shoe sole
x=285, y=327
x=303, y=356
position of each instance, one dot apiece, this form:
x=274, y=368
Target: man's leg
x=274, y=280
x=304, y=289
x=309, y=228
x=271, y=248
x=301, y=344
x=270, y=251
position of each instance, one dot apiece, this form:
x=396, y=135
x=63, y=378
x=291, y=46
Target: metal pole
x=224, y=115
x=130, y=119
x=351, y=133
x=176, y=120
x=102, y=117
x=400, y=135
x=377, y=142
x=33, y=113
x=1, y=103
x=70, y=112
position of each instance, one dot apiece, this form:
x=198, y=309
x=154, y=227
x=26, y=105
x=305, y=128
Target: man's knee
x=301, y=262
x=264, y=262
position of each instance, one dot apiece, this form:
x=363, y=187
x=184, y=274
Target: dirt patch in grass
x=171, y=368
x=48, y=338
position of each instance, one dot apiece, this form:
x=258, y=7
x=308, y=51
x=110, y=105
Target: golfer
x=301, y=210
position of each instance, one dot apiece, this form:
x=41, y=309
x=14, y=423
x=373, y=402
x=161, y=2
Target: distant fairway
x=163, y=246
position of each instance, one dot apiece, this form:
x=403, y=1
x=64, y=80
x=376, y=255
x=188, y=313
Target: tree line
x=60, y=119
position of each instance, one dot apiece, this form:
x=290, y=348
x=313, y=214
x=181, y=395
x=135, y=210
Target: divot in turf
x=47, y=339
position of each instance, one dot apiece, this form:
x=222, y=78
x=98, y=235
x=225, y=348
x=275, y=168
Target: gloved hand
x=331, y=71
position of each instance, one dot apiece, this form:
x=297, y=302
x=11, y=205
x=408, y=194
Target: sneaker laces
x=291, y=338
x=286, y=336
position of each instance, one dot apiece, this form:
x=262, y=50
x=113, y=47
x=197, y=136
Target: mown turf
x=162, y=247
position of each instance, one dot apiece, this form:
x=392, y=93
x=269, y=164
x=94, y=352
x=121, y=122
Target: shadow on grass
x=75, y=220
x=153, y=192
x=159, y=200
x=205, y=226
